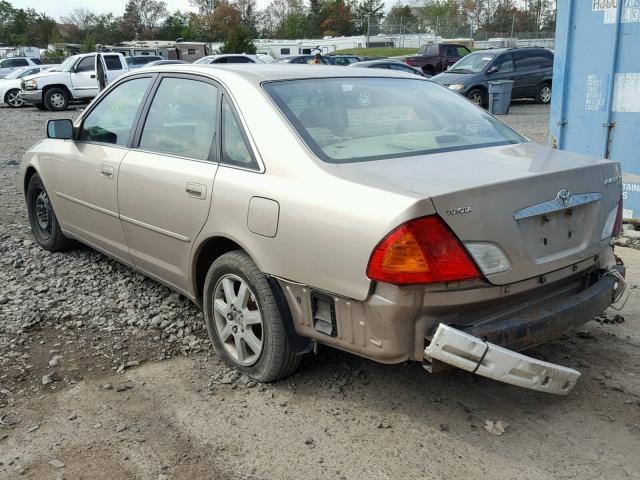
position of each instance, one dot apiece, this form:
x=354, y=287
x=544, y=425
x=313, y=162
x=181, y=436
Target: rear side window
x=285, y=51
x=20, y=62
x=182, y=119
x=533, y=60
x=112, y=119
x=112, y=62
x=239, y=59
x=36, y=61
x=235, y=150
x=87, y=64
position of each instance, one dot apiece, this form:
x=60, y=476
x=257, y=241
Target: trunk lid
x=510, y=196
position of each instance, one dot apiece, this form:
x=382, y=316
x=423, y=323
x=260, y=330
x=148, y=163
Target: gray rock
x=49, y=378
x=56, y=463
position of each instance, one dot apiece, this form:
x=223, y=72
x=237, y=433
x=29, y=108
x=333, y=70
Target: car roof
x=511, y=49
x=368, y=63
x=267, y=72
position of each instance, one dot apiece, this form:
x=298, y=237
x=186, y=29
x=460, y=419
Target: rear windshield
x=357, y=119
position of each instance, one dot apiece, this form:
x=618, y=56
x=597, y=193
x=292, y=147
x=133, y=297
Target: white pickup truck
x=80, y=77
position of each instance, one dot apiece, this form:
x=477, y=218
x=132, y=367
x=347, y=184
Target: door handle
x=196, y=190
x=106, y=171
x=93, y=76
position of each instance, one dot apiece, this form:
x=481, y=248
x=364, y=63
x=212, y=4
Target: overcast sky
x=57, y=8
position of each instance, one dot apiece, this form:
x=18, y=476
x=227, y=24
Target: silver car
x=417, y=227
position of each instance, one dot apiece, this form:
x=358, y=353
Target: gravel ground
x=106, y=374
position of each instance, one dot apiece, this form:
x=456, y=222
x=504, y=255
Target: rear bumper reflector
x=467, y=352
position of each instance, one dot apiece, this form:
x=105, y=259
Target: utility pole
x=368, y=30
x=513, y=25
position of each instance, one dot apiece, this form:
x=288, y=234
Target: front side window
x=87, y=64
x=504, y=63
x=182, y=119
x=112, y=119
x=239, y=60
x=401, y=118
x=235, y=150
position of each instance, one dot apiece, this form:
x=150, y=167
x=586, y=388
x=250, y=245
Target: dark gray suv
x=530, y=68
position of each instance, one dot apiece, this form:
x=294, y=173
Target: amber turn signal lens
x=423, y=250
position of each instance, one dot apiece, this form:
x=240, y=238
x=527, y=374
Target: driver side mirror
x=61, y=129
x=493, y=69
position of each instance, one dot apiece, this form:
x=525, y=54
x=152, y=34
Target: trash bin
x=500, y=96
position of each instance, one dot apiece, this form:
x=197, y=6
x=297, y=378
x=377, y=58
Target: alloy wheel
x=476, y=98
x=545, y=94
x=14, y=100
x=57, y=100
x=238, y=320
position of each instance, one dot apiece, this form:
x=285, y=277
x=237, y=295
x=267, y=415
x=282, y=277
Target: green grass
x=376, y=52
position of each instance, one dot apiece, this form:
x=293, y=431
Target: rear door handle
x=106, y=171
x=196, y=190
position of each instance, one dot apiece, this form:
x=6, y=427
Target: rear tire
x=56, y=99
x=477, y=97
x=12, y=99
x=44, y=223
x=429, y=70
x=543, y=95
x=243, y=319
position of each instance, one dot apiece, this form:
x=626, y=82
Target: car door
x=83, y=78
x=86, y=170
x=165, y=183
x=529, y=72
x=502, y=68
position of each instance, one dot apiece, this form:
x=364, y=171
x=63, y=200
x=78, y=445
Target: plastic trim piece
x=473, y=354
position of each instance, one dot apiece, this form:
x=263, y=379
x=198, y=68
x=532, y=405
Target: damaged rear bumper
x=476, y=355
x=480, y=347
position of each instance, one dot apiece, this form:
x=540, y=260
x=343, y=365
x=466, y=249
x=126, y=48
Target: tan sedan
x=414, y=226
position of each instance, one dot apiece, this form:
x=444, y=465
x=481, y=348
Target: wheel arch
x=29, y=172
x=62, y=86
x=212, y=248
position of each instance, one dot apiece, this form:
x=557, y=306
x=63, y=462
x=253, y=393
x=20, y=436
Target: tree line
x=218, y=20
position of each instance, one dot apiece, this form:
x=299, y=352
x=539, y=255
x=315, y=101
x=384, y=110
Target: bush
x=239, y=41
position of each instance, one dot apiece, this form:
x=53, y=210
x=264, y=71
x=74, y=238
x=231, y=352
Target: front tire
x=56, y=99
x=543, y=95
x=243, y=319
x=477, y=97
x=44, y=223
x=13, y=99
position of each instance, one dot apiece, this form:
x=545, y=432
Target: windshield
x=68, y=64
x=17, y=73
x=356, y=119
x=472, y=63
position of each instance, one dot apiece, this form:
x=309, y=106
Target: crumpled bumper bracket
x=473, y=354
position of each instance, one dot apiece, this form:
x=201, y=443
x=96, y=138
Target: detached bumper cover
x=31, y=96
x=475, y=355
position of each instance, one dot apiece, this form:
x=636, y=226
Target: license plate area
x=550, y=235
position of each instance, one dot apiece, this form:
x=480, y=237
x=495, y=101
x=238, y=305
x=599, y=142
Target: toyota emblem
x=564, y=197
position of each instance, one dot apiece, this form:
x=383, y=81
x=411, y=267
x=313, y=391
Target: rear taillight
x=408, y=62
x=617, y=227
x=423, y=250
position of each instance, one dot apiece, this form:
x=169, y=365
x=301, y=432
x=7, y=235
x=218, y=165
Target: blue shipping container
x=595, y=107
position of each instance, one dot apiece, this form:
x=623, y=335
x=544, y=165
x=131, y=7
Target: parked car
x=265, y=57
x=155, y=63
x=423, y=229
x=76, y=79
x=140, y=61
x=10, y=85
x=229, y=58
x=435, y=58
x=390, y=64
x=304, y=59
x=530, y=68
x=345, y=60
x=8, y=65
